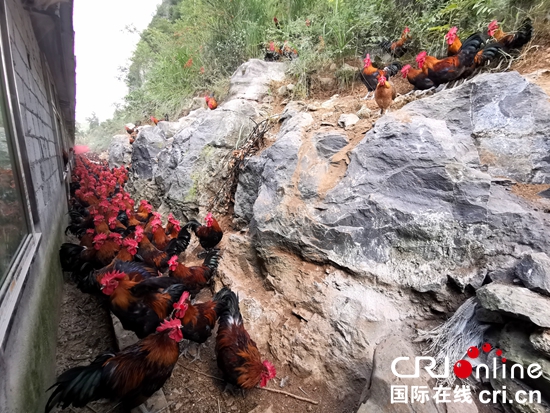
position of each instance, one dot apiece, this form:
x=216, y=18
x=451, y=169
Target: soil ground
x=85, y=329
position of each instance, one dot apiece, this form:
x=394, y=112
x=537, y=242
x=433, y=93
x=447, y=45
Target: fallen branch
x=289, y=394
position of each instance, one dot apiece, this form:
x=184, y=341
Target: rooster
x=151, y=255
x=510, y=41
x=144, y=211
x=450, y=68
x=156, y=233
x=289, y=51
x=104, y=250
x=131, y=129
x=237, y=355
x=369, y=75
x=132, y=375
x=173, y=226
x=488, y=53
x=417, y=78
x=384, y=94
x=273, y=52
x=453, y=42
x=211, y=102
x=209, y=235
x=194, y=279
x=140, y=305
x=88, y=280
x=199, y=320
x=397, y=48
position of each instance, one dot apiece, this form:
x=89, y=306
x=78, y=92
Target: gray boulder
x=417, y=203
x=540, y=340
x=329, y=142
x=187, y=167
x=146, y=148
x=534, y=271
x=379, y=395
x=347, y=120
x=516, y=347
x=120, y=151
x=516, y=301
x=169, y=128
x=252, y=79
x=184, y=174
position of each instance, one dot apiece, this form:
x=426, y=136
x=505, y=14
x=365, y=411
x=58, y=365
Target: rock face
x=184, y=172
x=418, y=201
x=120, y=151
x=146, y=148
x=534, y=271
x=379, y=397
x=541, y=341
x=343, y=232
x=516, y=301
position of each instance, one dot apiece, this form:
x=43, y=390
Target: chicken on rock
x=130, y=376
x=453, y=42
x=512, y=41
x=417, y=78
x=450, y=68
x=211, y=102
x=237, y=354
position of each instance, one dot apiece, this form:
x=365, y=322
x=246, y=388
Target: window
x=13, y=226
x=18, y=239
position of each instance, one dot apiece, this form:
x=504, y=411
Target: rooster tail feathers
x=193, y=225
x=212, y=259
x=488, y=53
x=175, y=291
x=85, y=279
x=184, y=236
x=469, y=49
x=69, y=256
x=175, y=247
x=474, y=42
x=523, y=35
x=393, y=69
x=79, y=385
x=229, y=307
x=122, y=216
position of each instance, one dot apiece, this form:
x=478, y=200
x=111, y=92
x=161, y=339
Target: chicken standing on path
x=384, y=94
x=369, y=74
x=132, y=375
x=237, y=355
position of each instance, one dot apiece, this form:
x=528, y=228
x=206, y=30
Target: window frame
x=11, y=288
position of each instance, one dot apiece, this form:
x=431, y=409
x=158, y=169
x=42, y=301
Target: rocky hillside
x=346, y=235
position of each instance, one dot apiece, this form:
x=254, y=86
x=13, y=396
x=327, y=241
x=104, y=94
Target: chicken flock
x=130, y=261
x=463, y=60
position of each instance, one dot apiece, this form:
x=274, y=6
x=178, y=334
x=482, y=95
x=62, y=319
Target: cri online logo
x=463, y=368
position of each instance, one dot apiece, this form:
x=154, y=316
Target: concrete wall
x=27, y=362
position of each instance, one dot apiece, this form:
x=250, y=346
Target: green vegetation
x=193, y=46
